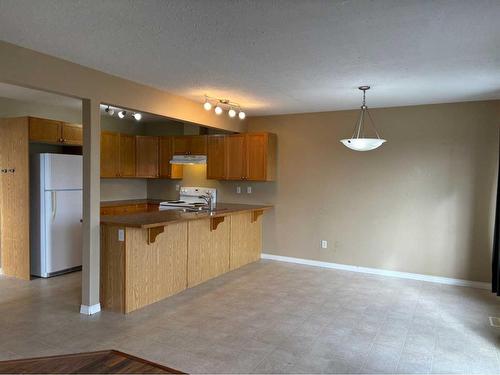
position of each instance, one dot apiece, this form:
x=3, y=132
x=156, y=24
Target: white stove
x=190, y=199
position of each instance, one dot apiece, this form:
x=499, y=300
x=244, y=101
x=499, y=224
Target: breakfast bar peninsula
x=150, y=254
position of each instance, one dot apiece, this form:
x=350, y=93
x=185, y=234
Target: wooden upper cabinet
x=168, y=170
x=55, y=132
x=180, y=145
x=110, y=154
x=251, y=156
x=236, y=157
x=72, y=134
x=260, y=157
x=190, y=145
x=127, y=163
x=216, y=157
x=146, y=156
x=198, y=145
x=44, y=130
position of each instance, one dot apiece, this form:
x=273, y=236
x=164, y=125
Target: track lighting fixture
x=122, y=114
x=137, y=116
x=233, y=108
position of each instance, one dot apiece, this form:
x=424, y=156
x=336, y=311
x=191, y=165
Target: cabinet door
x=256, y=156
x=216, y=157
x=110, y=149
x=168, y=170
x=236, y=157
x=127, y=155
x=208, y=250
x=198, y=145
x=146, y=156
x=72, y=134
x=43, y=130
x=246, y=239
x=14, y=198
x=180, y=145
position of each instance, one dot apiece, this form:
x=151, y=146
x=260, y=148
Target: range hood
x=188, y=159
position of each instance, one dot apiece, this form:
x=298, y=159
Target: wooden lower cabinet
x=137, y=272
x=246, y=239
x=133, y=274
x=129, y=209
x=208, y=250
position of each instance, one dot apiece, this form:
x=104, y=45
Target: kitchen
x=219, y=191
x=136, y=150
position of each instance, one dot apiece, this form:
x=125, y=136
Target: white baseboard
x=378, y=271
x=90, y=310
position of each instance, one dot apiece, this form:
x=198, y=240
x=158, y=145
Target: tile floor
x=268, y=317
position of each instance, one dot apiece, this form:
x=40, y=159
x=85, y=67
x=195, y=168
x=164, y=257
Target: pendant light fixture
x=358, y=142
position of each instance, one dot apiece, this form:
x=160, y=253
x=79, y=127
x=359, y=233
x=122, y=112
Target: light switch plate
x=177, y=187
x=324, y=244
x=238, y=189
x=249, y=190
x=121, y=235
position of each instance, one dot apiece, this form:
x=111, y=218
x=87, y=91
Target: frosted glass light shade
x=363, y=144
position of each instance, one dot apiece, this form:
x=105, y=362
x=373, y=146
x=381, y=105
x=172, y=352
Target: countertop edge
x=195, y=216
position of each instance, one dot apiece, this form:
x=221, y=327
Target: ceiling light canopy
x=358, y=142
x=232, y=108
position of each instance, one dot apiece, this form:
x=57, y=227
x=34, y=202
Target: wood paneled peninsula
x=148, y=255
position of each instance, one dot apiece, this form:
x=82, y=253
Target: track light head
x=110, y=111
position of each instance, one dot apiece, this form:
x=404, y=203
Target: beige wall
x=422, y=203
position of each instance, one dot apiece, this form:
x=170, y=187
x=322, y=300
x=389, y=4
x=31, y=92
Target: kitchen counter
x=151, y=219
x=148, y=255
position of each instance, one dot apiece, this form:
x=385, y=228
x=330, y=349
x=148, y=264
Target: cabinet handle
x=61, y=140
x=4, y=170
x=12, y=170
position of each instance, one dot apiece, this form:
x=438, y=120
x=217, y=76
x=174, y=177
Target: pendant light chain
x=359, y=128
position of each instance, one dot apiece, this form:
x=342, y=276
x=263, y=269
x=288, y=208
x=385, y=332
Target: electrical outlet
x=249, y=190
x=121, y=235
x=324, y=244
x=238, y=189
x=177, y=187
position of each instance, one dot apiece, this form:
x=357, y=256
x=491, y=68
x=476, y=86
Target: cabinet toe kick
x=153, y=233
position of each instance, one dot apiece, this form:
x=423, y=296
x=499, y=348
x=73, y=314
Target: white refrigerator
x=56, y=214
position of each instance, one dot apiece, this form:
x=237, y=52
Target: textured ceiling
x=276, y=56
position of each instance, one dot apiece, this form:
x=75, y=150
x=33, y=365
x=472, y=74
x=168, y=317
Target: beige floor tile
x=268, y=317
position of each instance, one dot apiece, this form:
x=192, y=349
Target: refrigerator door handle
x=54, y=205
